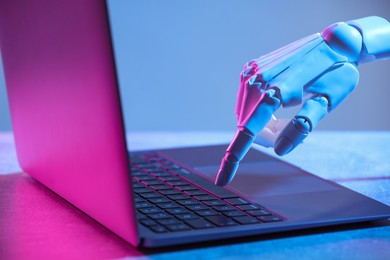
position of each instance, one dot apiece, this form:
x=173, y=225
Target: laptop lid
x=65, y=106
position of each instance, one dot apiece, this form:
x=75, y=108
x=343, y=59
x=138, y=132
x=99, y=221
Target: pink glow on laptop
x=65, y=107
x=36, y=216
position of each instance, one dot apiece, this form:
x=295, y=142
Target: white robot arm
x=322, y=67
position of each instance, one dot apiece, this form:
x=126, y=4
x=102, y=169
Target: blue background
x=179, y=61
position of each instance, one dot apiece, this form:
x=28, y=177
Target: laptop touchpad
x=269, y=178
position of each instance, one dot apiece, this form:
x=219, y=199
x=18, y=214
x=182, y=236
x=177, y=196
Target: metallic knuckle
x=254, y=81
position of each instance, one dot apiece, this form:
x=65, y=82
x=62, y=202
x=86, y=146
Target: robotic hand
x=322, y=67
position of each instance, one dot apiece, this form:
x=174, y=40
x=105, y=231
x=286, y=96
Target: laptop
x=65, y=107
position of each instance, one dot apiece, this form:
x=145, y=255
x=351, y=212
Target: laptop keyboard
x=167, y=201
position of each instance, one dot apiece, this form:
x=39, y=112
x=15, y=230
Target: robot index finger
x=244, y=137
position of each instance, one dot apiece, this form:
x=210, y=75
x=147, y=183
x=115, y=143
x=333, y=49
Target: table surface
x=34, y=222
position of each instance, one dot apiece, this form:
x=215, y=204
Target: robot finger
x=244, y=137
x=301, y=125
x=330, y=89
x=252, y=93
x=240, y=94
x=336, y=84
x=247, y=93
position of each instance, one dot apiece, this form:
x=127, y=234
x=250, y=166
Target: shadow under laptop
x=36, y=222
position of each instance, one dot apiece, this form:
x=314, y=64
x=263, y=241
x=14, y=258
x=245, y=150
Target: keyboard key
x=150, y=195
x=199, y=223
x=169, y=221
x=138, y=173
x=188, y=202
x=169, y=192
x=221, y=221
x=177, y=211
x=178, y=227
x=152, y=182
x=141, y=216
x=177, y=183
x=195, y=192
x=160, y=187
x=259, y=212
x=148, y=222
x=234, y=213
x=224, y=208
x=179, y=197
x=158, y=200
x=186, y=216
x=204, y=197
x=270, y=218
x=249, y=207
x=207, y=212
x=149, y=210
x=142, y=190
x=214, y=203
x=137, y=199
x=197, y=207
x=144, y=178
x=138, y=185
x=143, y=204
x=168, y=205
x=237, y=201
x=151, y=168
x=186, y=188
x=161, y=174
x=169, y=178
x=160, y=215
x=158, y=229
x=246, y=220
